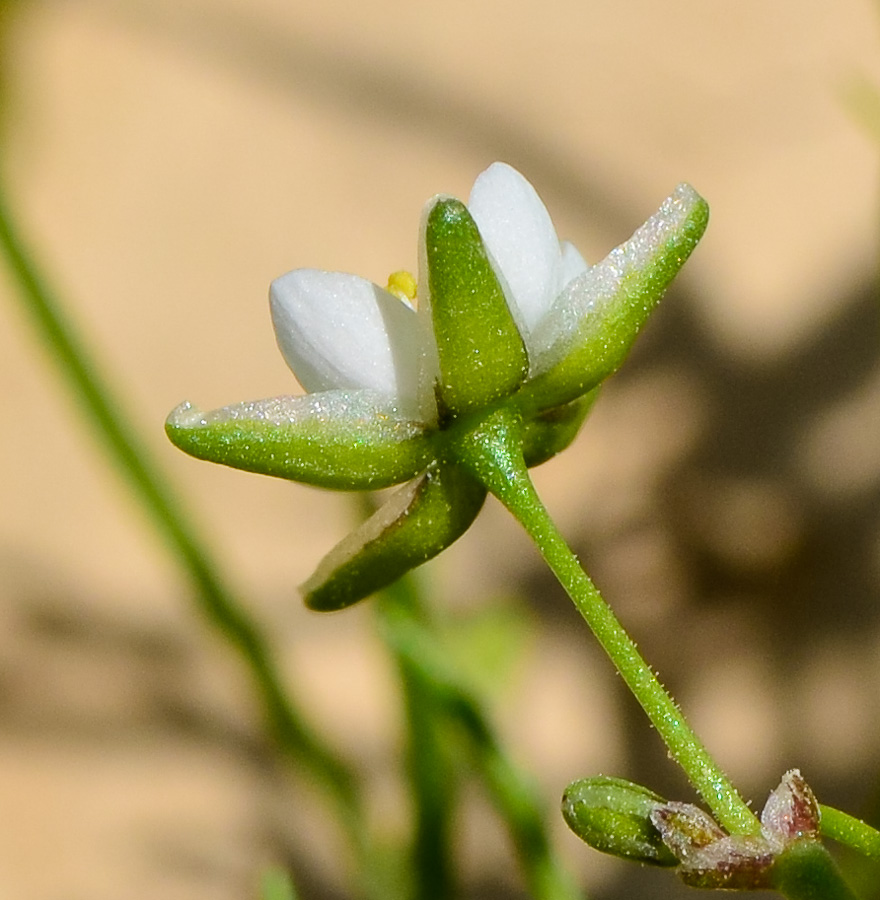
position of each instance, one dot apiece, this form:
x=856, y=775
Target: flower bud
x=614, y=816
x=791, y=812
x=709, y=857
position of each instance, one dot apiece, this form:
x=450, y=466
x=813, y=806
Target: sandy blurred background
x=169, y=157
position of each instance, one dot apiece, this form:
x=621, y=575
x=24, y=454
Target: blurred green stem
x=416, y=647
x=277, y=885
x=432, y=774
x=216, y=602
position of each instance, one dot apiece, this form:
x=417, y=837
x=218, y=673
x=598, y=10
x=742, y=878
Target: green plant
x=493, y=374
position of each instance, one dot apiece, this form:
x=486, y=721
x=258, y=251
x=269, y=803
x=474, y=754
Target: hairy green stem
x=806, y=871
x=214, y=599
x=848, y=830
x=491, y=450
x=513, y=797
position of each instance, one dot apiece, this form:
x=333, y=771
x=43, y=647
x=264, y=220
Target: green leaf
x=415, y=524
x=336, y=439
x=589, y=331
x=480, y=352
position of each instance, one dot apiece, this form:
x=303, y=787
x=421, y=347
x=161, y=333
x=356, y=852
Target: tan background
x=170, y=158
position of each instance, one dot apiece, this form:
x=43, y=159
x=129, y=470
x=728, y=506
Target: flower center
x=403, y=285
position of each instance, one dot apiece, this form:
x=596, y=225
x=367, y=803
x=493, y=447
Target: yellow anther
x=402, y=285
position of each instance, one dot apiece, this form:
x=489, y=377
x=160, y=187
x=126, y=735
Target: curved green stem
x=215, y=600
x=491, y=451
x=848, y=830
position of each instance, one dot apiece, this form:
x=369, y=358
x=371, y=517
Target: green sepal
x=416, y=523
x=480, y=352
x=614, y=816
x=346, y=440
x=552, y=430
x=594, y=322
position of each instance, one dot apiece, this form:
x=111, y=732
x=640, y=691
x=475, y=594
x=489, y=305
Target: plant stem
x=511, y=794
x=848, y=830
x=277, y=885
x=806, y=871
x=491, y=451
x=214, y=599
x=432, y=775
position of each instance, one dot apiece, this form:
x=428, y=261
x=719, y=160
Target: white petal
x=339, y=331
x=519, y=235
x=573, y=264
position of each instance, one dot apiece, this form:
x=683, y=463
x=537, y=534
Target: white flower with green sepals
x=507, y=315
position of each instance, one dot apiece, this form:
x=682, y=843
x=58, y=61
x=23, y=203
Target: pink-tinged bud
x=709, y=858
x=791, y=812
x=685, y=828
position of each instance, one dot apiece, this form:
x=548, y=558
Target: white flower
x=517, y=320
x=342, y=332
